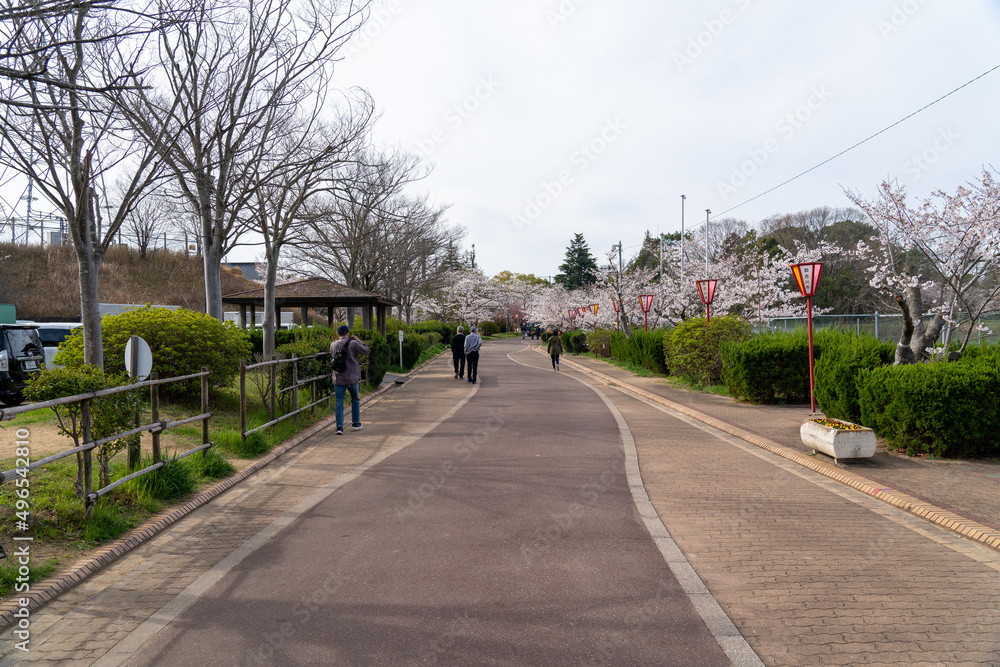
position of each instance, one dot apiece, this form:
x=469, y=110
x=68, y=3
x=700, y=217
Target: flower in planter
x=837, y=424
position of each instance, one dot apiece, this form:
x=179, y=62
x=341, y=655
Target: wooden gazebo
x=315, y=293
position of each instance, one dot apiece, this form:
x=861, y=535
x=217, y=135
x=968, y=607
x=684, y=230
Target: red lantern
x=706, y=290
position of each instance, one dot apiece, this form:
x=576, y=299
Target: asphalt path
x=507, y=535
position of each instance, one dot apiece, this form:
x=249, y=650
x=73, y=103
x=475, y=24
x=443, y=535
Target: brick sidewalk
x=968, y=488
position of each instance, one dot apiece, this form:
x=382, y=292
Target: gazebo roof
x=312, y=292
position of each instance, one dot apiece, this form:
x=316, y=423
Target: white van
x=53, y=333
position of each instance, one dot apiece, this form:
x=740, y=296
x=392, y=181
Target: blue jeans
x=339, y=390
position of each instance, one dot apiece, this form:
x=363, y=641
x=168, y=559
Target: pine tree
x=579, y=267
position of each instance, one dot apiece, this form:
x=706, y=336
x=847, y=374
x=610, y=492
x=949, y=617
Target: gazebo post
x=350, y=317
x=305, y=316
x=329, y=316
x=380, y=314
x=243, y=316
x=253, y=315
x=366, y=316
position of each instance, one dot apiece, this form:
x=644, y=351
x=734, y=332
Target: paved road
x=505, y=524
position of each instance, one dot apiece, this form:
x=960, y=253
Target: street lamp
x=683, y=197
x=645, y=303
x=708, y=212
x=807, y=278
x=706, y=290
x=593, y=307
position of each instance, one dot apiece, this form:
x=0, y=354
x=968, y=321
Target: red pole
x=708, y=315
x=809, y=321
x=645, y=320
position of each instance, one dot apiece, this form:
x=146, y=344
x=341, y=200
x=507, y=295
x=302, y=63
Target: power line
x=847, y=150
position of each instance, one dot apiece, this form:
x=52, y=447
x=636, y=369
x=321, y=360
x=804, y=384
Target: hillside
x=44, y=285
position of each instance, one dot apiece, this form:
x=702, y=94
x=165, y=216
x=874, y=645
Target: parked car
x=21, y=358
x=52, y=334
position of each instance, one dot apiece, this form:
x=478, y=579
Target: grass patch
x=9, y=574
x=174, y=480
x=635, y=369
x=256, y=443
x=33, y=417
x=211, y=464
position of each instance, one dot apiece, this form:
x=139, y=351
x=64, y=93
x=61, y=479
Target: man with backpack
x=346, y=375
x=458, y=352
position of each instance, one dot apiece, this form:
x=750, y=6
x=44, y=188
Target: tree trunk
x=270, y=280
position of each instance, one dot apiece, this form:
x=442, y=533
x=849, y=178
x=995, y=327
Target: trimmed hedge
x=942, y=409
x=768, y=368
x=836, y=372
x=599, y=342
x=445, y=330
x=575, y=341
x=489, y=328
x=182, y=341
x=692, y=350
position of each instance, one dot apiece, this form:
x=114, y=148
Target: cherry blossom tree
x=944, y=251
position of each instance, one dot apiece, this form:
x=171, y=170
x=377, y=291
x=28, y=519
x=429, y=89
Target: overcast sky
x=545, y=117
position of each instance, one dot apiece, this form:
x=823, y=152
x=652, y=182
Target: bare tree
x=239, y=70
x=305, y=158
x=67, y=135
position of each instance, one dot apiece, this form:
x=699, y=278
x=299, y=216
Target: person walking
x=524, y=331
x=346, y=375
x=472, y=344
x=555, y=349
x=458, y=352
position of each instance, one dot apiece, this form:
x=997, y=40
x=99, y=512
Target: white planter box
x=839, y=443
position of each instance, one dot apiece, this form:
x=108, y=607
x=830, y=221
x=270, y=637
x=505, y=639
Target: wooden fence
x=155, y=427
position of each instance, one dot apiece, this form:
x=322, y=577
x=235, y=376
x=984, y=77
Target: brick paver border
x=44, y=591
x=959, y=524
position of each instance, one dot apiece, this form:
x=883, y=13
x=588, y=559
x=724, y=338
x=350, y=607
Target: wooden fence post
x=243, y=401
x=273, y=373
x=204, y=409
x=154, y=414
x=295, y=382
x=88, y=481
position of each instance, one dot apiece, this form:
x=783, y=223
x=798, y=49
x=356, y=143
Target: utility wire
x=847, y=150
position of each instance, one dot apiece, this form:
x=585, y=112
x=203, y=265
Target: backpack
x=339, y=362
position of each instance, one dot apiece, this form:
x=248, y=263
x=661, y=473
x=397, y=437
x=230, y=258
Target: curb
x=973, y=530
x=49, y=589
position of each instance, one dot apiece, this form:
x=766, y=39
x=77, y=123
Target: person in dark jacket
x=347, y=380
x=555, y=349
x=472, y=344
x=458, y=353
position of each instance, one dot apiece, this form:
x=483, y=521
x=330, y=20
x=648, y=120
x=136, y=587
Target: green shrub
x=306, y=368
x=843, y=356
x=693, y=350
x=381, y=356
x=646, y=350
x=109, y=414
x=940, y=408
x=489, y=328
x=182, y=342
x=430, y=339
x=444, y=329
x=575, y=341
x=599, y=342
x=768, y=368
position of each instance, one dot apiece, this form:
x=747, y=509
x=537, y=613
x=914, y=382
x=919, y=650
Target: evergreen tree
x=580, y=267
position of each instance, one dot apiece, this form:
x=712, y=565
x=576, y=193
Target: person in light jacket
x=472, y=344
x=347, y=380
x=555, y=349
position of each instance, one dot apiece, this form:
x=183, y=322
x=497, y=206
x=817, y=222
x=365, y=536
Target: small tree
x=579, y=267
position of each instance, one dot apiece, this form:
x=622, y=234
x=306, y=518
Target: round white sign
x=144, y=356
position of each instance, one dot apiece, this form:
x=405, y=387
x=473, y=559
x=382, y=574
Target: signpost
x=807, y=278
x=401, y=349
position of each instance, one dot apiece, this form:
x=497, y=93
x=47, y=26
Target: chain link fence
x=888, y=327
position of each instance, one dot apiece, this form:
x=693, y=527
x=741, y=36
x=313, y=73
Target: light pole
x=807, y=278
x=683, y=197
x=708, y=212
